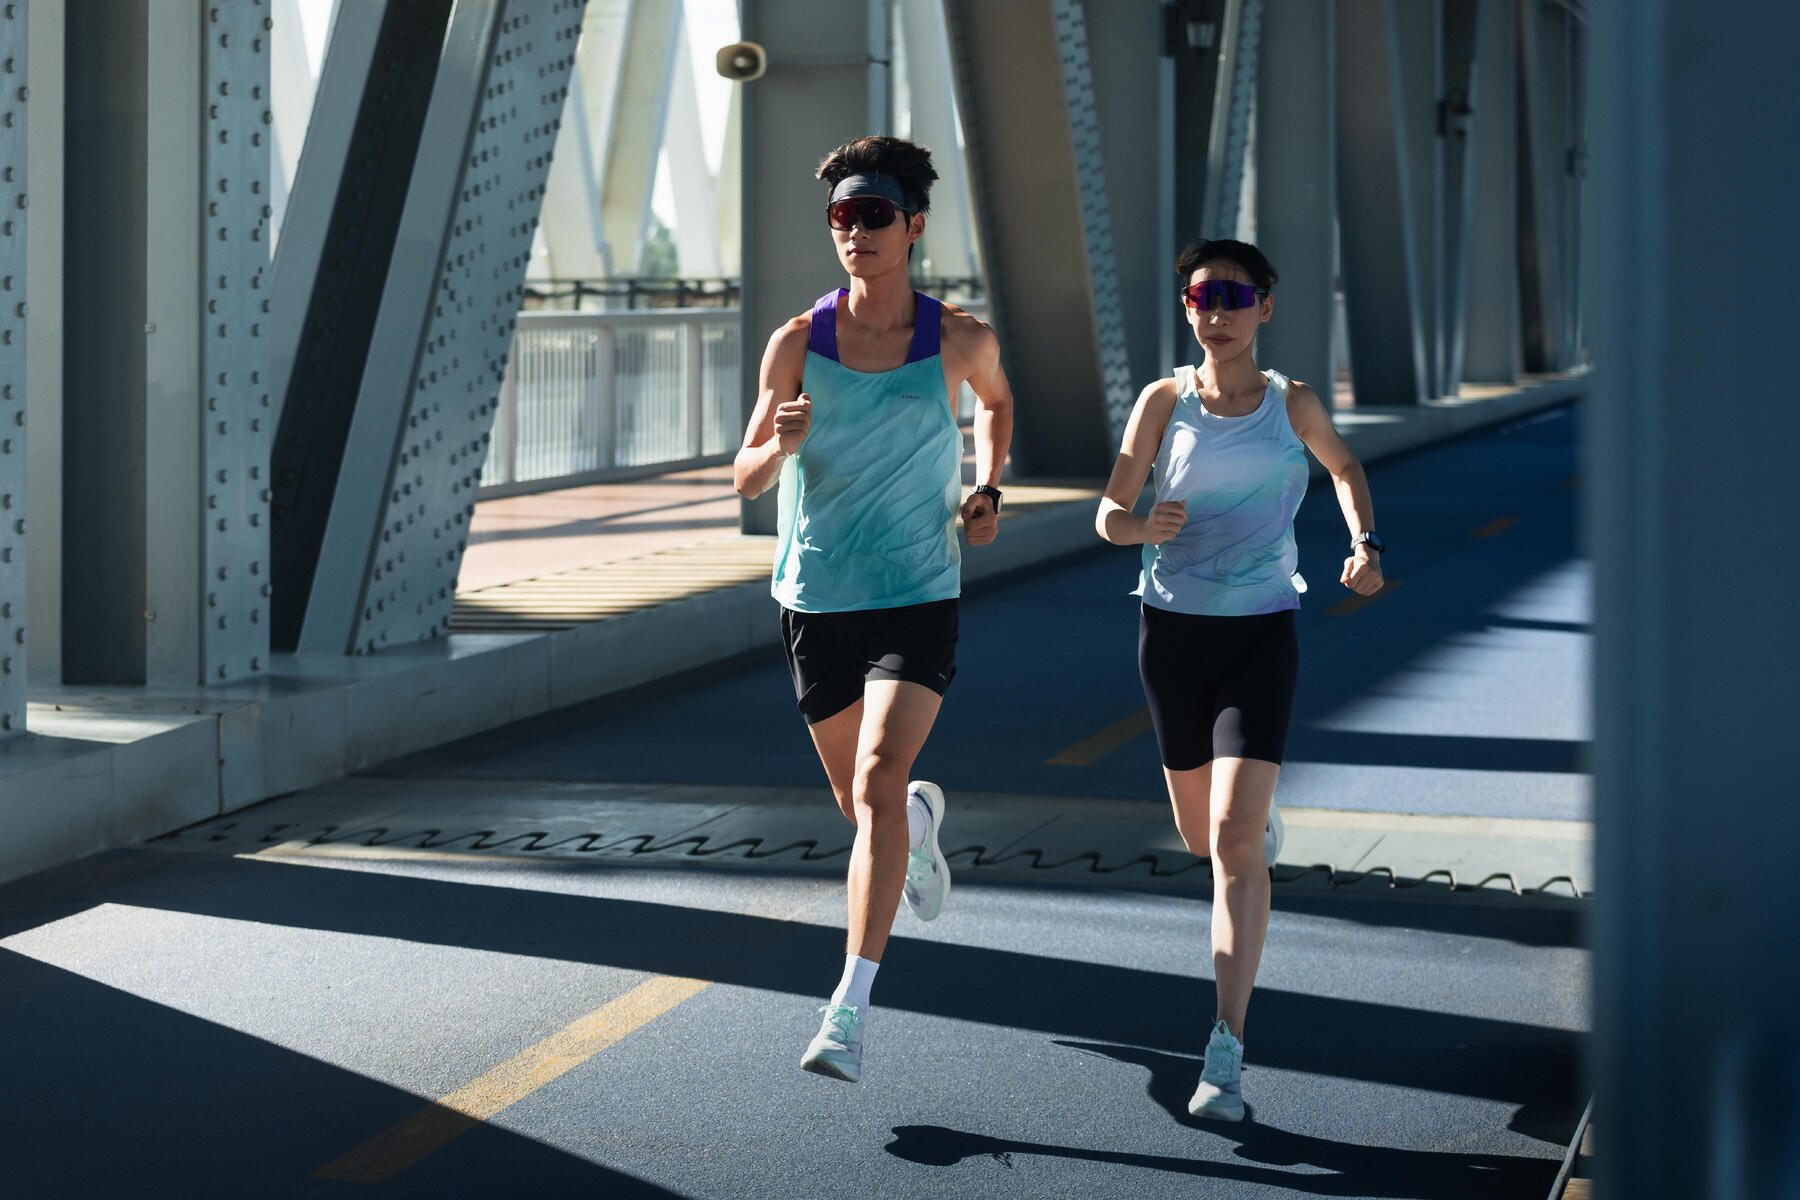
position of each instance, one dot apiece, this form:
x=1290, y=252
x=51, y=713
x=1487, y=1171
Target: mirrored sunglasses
x=1222, y=293
x=871, y=212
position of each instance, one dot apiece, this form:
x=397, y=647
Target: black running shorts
x=832, y=655
x=1218, y=687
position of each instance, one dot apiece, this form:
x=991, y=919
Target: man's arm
x=783, y=413
x=978, y=362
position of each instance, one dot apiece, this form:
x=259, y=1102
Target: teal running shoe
x=1274, y=833
x=1220, y=1093
x=927, y=874
x=836, y=1051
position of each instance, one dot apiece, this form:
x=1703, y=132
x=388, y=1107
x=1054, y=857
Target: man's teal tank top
x=868, y=506
x=1243, y=479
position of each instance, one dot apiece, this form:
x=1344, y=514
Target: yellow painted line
x=1494, y=527
x=1354, y=603
x=1092, y=750
x=437, y=1125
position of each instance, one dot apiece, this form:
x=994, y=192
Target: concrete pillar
x=824, y=86
x=1296, y=194
x=1690, y=471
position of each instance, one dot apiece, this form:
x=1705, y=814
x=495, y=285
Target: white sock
x=853, y=988
x=918, y=820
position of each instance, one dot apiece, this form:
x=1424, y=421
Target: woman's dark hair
x=907, y=162
x=1242, y=255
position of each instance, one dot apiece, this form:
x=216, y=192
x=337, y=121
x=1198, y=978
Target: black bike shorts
x=1218, y=687
x=832, y=655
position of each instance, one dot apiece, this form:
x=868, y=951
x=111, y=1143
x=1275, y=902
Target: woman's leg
x=1220, y=811
x=1239, y=810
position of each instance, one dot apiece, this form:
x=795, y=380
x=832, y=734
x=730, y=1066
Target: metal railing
x=590, y=397
x=593, y=397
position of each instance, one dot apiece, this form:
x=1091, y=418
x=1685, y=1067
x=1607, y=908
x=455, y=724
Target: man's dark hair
x=906, y=162
x=1242, y=255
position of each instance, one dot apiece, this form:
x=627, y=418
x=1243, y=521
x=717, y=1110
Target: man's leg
x=835, y=738
x=897, y=718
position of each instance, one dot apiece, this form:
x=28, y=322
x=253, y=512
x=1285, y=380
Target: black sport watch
x=991, y=492
x=1372, y=539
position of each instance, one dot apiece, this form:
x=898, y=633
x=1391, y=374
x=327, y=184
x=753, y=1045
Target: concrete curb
x=101, y=769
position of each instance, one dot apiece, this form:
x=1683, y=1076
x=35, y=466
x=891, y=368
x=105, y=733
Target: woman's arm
x=1362, y=570
x=1143, y=436
x=783, y=412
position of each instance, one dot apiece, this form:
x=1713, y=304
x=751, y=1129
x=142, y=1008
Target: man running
x=855, y=415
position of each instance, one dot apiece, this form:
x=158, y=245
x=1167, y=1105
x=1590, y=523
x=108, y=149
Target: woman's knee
x=1194, y=835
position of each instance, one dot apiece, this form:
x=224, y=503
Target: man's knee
x=881, y=782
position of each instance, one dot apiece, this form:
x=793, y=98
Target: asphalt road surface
x=194, y=1023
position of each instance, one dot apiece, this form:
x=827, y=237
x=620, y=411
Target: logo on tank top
x=908, y=396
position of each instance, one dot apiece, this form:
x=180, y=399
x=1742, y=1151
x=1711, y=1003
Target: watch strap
x=991, y=492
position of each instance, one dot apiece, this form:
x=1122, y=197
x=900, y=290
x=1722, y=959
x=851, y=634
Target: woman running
x=1216, y=644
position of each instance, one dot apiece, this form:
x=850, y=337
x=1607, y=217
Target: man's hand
x=1362, y=572
x=1164, y=522
x=980, y=521
x=792, y=419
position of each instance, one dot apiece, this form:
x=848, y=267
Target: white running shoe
x=927, y=874
x=1221, y=1092
x=836, y=1050
x=1274, y=833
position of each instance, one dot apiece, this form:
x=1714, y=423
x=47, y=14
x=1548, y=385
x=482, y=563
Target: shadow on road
x=1349, y=1170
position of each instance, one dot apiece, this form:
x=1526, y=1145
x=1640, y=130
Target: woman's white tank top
x=1243, y=479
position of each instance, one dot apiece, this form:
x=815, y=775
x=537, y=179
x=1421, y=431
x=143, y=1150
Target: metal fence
x=595, y=396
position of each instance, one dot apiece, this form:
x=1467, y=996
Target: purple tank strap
x=927, y=328
x=822, y=340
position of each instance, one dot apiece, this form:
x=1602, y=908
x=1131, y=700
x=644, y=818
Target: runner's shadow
x=1351, y=1169
x=1354, y=1170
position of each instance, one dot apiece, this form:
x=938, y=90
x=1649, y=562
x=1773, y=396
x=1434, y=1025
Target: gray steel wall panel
x=238, y=422
x=444, y=429
x=14, y=95
x=1032, y=132
x=1492, y=350
x=332, y=266
x=104, y=630
x=1375, y=210
x=1296, y=194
